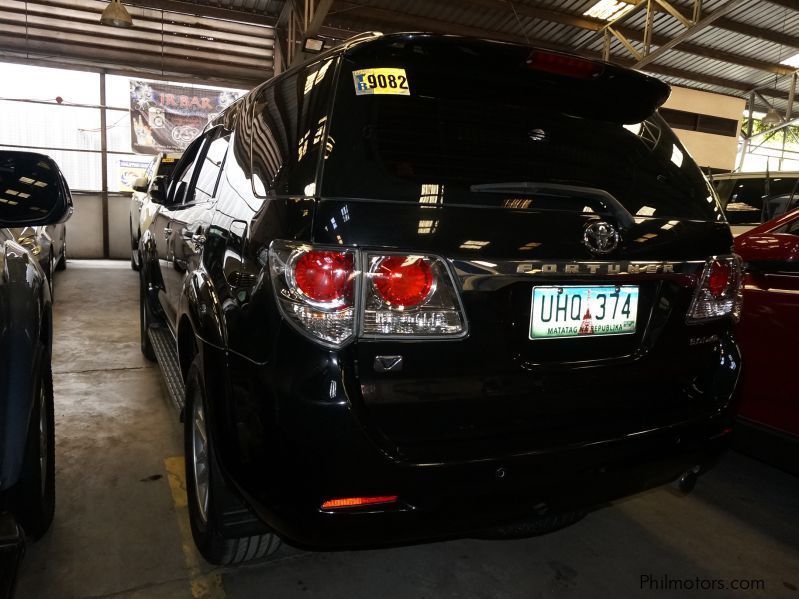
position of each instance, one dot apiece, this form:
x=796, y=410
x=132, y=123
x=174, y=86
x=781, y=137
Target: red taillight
x=718, y=293
x=357, y=501
x=403, y=281
x=718, y=278
x=563, y=64
x=324, y=276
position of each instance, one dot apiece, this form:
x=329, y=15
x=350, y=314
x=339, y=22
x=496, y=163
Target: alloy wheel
x=200, y=462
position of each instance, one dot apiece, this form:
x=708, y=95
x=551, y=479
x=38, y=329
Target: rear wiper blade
x=618, y=210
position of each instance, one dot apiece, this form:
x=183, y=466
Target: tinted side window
x=745, y=201
x=743, y=198
x=792, y=228
x=289, y=126
x=184, y=169
x=270, y=143
x=208, y=177
x=781, y=186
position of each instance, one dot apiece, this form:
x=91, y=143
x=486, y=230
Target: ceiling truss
x=627, y=41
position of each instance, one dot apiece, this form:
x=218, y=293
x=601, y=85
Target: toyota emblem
x=600, y=237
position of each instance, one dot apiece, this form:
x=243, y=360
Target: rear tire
x=35, y=490
x=533, y=526
x=208, y=498
x=145, y=320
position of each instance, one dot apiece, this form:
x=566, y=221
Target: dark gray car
x=33, y=195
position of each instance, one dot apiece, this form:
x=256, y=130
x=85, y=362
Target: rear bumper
x=446, y=500
x=445, y=503
x=293, y=438
x=12, y=548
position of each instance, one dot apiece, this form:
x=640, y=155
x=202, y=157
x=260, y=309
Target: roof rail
x=361, y=36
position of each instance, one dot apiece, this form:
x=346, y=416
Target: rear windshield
x=27, y=184
x=473, y=118
x=743, y=198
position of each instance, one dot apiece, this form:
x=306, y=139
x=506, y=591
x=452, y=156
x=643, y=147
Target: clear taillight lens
x=718, y=293
x=410, y=296
x=315, y=289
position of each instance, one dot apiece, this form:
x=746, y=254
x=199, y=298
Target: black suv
x=427, y=285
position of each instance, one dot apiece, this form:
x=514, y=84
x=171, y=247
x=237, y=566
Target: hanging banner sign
x=168, y=117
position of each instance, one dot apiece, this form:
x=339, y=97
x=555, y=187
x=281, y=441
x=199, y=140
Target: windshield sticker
x=381, y=81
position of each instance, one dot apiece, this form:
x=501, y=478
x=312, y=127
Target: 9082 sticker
x=388, y=81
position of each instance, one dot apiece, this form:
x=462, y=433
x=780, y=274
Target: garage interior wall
x=60, y=113
x=718, y=152
x=161, y=44
x=45, y=107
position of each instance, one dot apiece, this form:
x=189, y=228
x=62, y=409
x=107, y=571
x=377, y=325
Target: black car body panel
x=487, y=426
x=33, y=196
x=25, y=307
x=11, y=551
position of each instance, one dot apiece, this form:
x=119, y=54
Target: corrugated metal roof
x=758, y=34
x=261, y=7
x=160, y=43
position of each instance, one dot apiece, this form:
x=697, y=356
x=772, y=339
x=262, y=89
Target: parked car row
x=387, y=310
x=34, y=203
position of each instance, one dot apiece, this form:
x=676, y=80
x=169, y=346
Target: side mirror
x=158, y=190
x=141, y=184
x=32, y=191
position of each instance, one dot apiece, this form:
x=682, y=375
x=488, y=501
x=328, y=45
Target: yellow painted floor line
x=203, y=585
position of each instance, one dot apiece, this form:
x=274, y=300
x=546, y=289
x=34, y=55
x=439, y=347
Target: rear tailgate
x=498, y=391
x=497, y=159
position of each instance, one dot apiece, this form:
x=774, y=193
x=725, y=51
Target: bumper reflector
x=332, y=504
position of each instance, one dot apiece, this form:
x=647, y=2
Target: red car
x=768, y=335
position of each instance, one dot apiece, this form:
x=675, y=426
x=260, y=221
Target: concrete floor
x=121, y=526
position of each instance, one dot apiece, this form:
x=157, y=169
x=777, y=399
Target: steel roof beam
x=388, y=20
x=596, y=25
x=144, y=28
x=318, y=18
x=204, y=10
x=631, y=34
x=704, y=23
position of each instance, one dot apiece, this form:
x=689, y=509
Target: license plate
x=591, y=311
